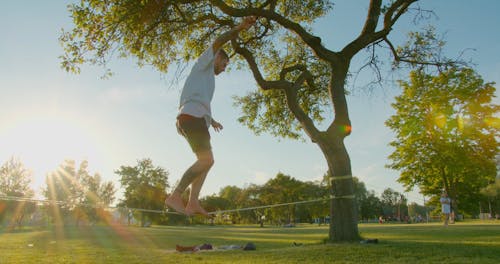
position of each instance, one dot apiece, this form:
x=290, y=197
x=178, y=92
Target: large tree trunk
x=343, y=212
x=343, y=209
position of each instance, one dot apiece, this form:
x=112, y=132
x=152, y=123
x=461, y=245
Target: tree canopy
x=15, y=181
x=145, y=186
x=446, y=133
x=74, y=194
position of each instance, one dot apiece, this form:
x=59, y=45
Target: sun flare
x=44, y=143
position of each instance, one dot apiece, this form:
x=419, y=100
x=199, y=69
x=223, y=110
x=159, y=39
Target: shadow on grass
x=167, y=237
x=26, y=229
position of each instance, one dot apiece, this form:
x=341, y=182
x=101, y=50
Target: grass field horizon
x=463, y=242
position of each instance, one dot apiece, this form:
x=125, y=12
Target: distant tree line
x=72, y=195
x=75, y=196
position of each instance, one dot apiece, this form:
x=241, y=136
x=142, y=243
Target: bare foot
x=174, y=201
x=194, y=208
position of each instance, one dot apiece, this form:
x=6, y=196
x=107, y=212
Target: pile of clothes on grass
x=248, y=246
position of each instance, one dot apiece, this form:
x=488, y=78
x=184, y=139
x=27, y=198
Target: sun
x=43, y=143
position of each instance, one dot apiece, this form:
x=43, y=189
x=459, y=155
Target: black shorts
x=195, y=130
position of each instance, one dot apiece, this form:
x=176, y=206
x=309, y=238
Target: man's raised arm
x=233, y=33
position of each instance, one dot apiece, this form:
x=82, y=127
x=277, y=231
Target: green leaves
x=151, y=31
x=145, y=185
x=77, y=195
x=266, y=111
x=15, y=179
x=444, y=138
x=304, y=11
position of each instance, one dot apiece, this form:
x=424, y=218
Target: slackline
x=23, y=199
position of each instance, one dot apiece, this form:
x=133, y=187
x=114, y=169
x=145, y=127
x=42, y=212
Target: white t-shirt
x=445, y=205
x=199, y=88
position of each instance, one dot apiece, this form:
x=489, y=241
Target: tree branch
x=437, y=63
x=290, y=88
x=270, y=3
x=368, y=34
x=400, y=6
x=264, y=84
x=293, y=104
x=372, y=18
x=287, y=70
x=312, y=41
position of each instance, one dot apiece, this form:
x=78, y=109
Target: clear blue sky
x=48, y=115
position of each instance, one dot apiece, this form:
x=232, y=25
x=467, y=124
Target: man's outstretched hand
x=233, y=33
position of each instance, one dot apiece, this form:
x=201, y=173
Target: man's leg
x=206, y=158
x=195, y=176
x=196, y=132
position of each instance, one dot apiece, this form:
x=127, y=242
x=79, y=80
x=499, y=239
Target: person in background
x=445, y=207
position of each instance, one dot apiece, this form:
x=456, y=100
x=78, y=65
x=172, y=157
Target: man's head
x=221, y=61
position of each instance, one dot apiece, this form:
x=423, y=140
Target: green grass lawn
x=465, y=242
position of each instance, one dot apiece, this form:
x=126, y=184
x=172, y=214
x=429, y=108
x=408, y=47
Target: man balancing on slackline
x=195, y=117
